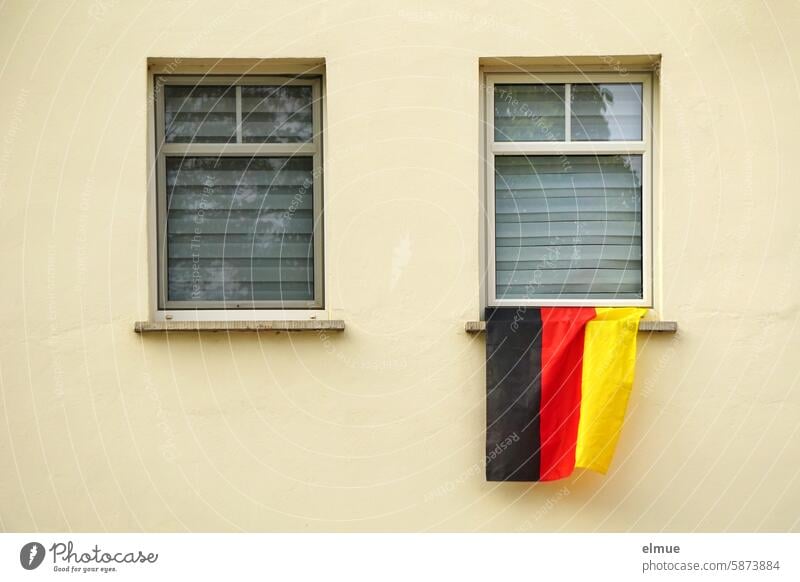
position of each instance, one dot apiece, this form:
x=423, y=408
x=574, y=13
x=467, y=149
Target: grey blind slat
x=240, y=229
x=568, y=227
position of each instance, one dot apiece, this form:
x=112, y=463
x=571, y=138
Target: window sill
x=644, y=326
x=230, y=326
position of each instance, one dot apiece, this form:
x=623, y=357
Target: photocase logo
x=31, y=555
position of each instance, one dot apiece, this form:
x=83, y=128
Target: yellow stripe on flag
x=609, y=358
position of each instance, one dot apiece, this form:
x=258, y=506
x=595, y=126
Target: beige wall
x=381, y=428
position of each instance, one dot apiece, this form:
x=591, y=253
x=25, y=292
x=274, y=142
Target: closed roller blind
x=240, y=229
x=529, y=112
x=607, y=112
x=202, y=114
x=276, y=114
x=568, y=227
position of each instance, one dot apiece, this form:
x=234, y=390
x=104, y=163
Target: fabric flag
x=558, y=381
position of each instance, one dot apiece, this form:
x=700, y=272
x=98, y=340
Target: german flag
x=558, y=381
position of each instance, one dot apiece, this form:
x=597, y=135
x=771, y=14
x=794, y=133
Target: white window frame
x=644, y=147
x=233, y=310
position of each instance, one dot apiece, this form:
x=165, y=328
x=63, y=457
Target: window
x=568, y=185
x=239, y=192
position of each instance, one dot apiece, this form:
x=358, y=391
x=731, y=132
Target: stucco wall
x=381, y=427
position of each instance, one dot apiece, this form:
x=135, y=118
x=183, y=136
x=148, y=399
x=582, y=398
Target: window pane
x=607, y=112
x=276, y=114
x=240, y=229
x=529, y=113
x=199, y=114
x=568, y=227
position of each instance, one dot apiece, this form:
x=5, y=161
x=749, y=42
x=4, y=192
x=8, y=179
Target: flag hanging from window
x=558, y=381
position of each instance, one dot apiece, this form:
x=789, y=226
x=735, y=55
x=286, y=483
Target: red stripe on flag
x=563, y=330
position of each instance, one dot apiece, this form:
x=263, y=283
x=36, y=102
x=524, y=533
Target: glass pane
x=607, y=112
x=529, y=113
x=568, y=227
x=276, y=114
x=199, y=114
x=240, y=229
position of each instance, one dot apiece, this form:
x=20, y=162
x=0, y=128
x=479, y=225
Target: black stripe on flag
x=513, y=393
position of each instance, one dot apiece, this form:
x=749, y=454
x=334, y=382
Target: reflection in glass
x=529, y=112
x=606, y=112
x=273, y=114
x=240, y=229
x=199, y=114
x=568, y=227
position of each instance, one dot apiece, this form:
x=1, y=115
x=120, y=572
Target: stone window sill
x=239, y=326
x=644, y=326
